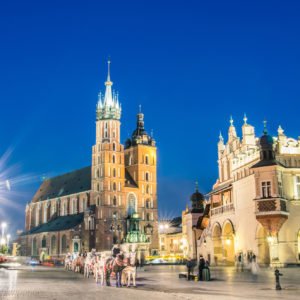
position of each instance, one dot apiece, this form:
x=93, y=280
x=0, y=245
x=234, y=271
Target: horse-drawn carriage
x=104, y=266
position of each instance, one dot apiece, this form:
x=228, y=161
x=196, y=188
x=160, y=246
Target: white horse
x=129, y=273
x=88, y=265
x=99, y=269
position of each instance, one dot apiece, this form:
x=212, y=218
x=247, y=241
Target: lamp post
x=7, y=240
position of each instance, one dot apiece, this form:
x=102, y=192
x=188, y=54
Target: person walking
x=201, y=267
x=254, y=265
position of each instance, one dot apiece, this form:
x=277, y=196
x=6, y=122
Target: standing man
x=201, y=267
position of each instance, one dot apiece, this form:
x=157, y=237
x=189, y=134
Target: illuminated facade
x=94, y=207
x=255, y=203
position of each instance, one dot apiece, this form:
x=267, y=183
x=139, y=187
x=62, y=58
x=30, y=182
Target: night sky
x=190, y=64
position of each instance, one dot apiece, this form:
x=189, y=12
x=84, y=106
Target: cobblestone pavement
x=157, y=282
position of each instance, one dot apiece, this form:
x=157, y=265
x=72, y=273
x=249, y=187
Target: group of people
x=246, y=261
x=103, y=266
x=203, y=269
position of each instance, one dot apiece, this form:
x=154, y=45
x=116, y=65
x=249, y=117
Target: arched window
x=64, y=244
x=114, y=159
x=98, y=187
x=147, y=160
x=45, y=213
x=114, y=200
x=147, y=217
x=36, y=216
x=147, y=203
x=53, y=245
x=114, y=172
x=97, y=173
x=34, y=247
x=44, y=242
x=131, y=204
x=147, y=176
x=114, y=146
x=147, y=189
x=114, y=186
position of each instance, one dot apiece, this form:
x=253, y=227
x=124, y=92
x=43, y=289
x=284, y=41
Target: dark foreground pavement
x=157, y=282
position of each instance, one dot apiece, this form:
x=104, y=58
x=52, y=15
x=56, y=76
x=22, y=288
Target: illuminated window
x=266, y=189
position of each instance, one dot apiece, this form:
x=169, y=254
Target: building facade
x=94, y=207
x=255, y=203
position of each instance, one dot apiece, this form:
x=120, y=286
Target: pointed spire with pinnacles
x=108, y=106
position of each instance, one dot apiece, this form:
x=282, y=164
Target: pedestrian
x=189, y=266
x=201, y=267
x=118, y=266
x=254, y=265
x=206, y=272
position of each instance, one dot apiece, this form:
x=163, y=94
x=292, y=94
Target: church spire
x=108, y=106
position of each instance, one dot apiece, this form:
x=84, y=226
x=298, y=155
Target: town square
x=150, y=149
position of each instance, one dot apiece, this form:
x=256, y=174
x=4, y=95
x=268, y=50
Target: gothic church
x=112, y=201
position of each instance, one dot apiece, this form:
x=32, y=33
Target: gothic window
x=266, y=189
x=45, y=213
x=114, y=172
x=114, y=186
x=97, y=173
x=147, y=189
x=36, y=216
x=131, y=204
x=98, y=187
x=147, y=217
x=115, y=201
x=44, y=243
x=147, y=176
x=64, y=244
x=98, y=201
x=53, y=244
x=147, y=160
x=147, y=203
x=114, y=146
x=65, y=208
x=114, y=159
x=105, y=130
x=34, y=247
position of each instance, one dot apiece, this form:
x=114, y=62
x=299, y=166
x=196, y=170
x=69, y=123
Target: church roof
x=58, y=224
x=67, y=184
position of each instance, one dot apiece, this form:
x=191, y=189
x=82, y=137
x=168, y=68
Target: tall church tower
x=108, y=169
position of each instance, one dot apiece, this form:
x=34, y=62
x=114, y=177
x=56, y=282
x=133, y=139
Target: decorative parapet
x=222, y=209
x=271, y=206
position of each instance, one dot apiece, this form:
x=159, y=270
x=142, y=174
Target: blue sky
x=190, y=64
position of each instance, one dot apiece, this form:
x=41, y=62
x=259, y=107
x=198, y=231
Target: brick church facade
x=93, y=207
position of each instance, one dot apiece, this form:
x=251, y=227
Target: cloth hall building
x=255, y=203
x=112, y=201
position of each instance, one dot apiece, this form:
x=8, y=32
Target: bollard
x=277, y=276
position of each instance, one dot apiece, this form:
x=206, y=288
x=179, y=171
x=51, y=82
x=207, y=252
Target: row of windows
x=114, y=146
x=67, y=206
x=52, y=245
